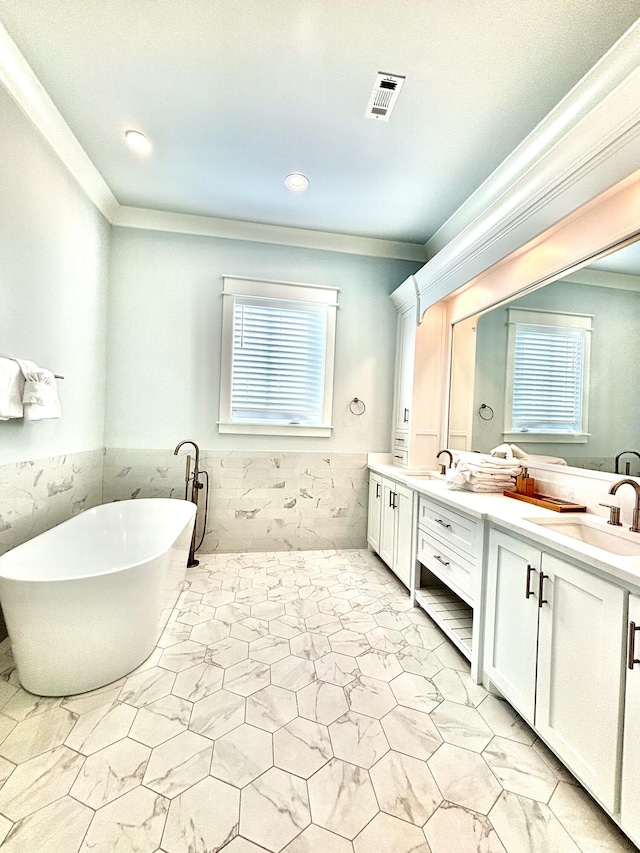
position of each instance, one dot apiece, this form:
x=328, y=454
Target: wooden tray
x=547, y=502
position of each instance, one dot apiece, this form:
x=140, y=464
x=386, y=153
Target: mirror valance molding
x=589, y=143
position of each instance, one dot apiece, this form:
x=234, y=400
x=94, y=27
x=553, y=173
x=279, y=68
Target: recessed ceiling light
x=296, y=182
x=138, y=141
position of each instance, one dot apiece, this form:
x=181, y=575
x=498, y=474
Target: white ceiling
x=235, y=94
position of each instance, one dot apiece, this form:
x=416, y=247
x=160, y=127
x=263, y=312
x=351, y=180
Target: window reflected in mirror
x=572, y=391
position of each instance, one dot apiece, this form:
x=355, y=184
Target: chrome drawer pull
x=406, y=416
x=399, y=440
x=440, y=560
x=632, y=660
x=443, y=523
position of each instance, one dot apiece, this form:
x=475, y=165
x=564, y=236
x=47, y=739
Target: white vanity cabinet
x=417, y=407
x=391, y=525
x=449, y=551
x=630, y=790
x=554, y=642
x=374, y=511
x=405, y=349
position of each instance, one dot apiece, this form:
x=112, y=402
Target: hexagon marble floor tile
x=295, y=702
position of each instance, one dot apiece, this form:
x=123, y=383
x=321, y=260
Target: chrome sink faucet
x=635, y=526
x=627, y=464
x=443, y=468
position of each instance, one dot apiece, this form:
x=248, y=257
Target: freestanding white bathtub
x=85, y=603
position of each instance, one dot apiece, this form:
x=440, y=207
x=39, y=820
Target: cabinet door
x=512, y=620
x=404, y=532
x=630, y=794
x=405, y=349
x=580, y=667
x=387, y=521
x=375, y=507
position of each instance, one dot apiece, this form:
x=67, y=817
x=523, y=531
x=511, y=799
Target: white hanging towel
x=11, y=390
x=40, y=396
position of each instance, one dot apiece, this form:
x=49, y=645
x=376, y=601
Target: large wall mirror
x=567, y=354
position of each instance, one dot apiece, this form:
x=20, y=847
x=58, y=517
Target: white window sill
x=275, y=429
x=545, y=438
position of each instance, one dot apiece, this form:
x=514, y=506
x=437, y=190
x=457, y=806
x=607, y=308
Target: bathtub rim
x=128, y=567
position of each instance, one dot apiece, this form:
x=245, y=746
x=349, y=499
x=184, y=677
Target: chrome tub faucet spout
x=194, y=478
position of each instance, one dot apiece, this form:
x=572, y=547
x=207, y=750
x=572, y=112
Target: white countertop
x=512, y=515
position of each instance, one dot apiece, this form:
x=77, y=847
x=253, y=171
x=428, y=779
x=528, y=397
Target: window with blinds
x=277, y=358
x=547, y=375
x=279, y=350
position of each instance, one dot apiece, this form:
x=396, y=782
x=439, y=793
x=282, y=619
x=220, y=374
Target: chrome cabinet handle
x=395, y=456
x=390, y=498
x=541, y=580
x=528, y=590
x=443, y=523
x=377, y=490
x=406, y=416
x=394, y=504
x=440, y=560
x=632, y=660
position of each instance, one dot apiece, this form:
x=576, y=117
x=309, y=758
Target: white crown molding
x=20, y=81
x=232, y=229
x=602, y=278
x=24, y=87
x=586, y=145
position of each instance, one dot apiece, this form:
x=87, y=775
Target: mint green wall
x=164, y=338
x=53, y=287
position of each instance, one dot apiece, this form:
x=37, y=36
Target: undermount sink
x=616, y=540
x=425, y=475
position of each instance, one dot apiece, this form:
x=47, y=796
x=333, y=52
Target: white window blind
x=547, y=374
x=278, y=344
x=279, y=351
x=547, y=379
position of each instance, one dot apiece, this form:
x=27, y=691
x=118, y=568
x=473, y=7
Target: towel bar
x=55, y=375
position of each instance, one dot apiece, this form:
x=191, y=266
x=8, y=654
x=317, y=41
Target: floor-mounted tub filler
x=85, y=603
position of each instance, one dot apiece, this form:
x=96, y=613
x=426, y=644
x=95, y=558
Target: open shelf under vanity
x=450, y=613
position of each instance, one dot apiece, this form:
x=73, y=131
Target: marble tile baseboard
x=258, y=501
x=38, y=494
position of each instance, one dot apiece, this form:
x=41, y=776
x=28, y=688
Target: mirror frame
x=606, y=224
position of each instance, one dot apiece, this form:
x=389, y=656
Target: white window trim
x=268, y=289
x=547, y=318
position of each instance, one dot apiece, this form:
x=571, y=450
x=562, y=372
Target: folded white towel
x=40, y=395
x=483, y=470
x=487, y=487
x=483, y=477
x=503, y=451
x=11, y=390
x=519, y=453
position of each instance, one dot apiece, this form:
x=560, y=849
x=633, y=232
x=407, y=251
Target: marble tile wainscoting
x=38, y=494
x=295, y=703
x=258, y=500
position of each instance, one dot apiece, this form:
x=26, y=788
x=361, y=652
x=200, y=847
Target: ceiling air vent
x=384, y=96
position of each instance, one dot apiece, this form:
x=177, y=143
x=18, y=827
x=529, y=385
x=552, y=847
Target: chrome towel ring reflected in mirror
x=357, y=407
x=486, y=412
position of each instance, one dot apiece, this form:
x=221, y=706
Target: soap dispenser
x=525, y=485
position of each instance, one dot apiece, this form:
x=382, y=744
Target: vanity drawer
x=401, y=441
x=450, y=567
x=400, y=457
x=454, y=529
